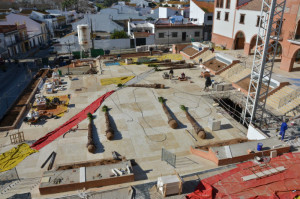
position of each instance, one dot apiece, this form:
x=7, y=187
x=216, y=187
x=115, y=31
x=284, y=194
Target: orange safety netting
x=229, y=184
x=49, y=137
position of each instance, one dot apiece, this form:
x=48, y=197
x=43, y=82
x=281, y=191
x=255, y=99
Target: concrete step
x=288, y=107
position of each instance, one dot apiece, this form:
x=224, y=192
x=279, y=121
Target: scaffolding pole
x=265, y=51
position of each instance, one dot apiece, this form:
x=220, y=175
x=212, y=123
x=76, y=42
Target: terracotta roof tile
x=252, y=5
x=205, y=6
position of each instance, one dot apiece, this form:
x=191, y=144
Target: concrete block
x=267, y=172
x=273, y=154
x=249, y=177
x=260, y=174
x=273, y=170
x=280, y=168
x=214, y=125
x=228, y=151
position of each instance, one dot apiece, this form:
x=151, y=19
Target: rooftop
x=7, y=28
x=254, y=5
x=205, y=6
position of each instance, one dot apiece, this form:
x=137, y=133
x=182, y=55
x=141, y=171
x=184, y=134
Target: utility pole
x=92, y=34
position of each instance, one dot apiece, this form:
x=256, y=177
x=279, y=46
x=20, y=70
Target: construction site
x=196, y=122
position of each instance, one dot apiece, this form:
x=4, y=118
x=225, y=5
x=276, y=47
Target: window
x=197, y=34
x=174, y=34
x=226, y=16
x=161, y=35
x=218, y=15
x=219, y=4
x=209, y=18
x=258, y=20
x=228, y=4
x=242, y=19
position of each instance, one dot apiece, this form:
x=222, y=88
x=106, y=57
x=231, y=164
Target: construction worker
x=283, y=128
x=171, y=73
x=200, y=61
x=207, y=82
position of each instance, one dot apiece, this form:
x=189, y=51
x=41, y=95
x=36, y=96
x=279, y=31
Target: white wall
x=249, y=28
x=110, y=44
x=165, y=12
x=221, y=26
x=232, y=27
x=150, y=40
x=190, y=33
x=196, y=13
x=255, y=134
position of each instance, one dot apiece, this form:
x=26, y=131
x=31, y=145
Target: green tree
x=119, y=35
x=70, y=3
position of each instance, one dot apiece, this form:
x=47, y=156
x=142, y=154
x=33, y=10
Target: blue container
x=259, y=146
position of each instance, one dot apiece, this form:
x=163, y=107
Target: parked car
x=52, y=50
x=55, y=41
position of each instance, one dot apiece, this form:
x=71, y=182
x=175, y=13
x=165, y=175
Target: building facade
x=37, y=31
x=236, y=23
x=177, y=33
x=14, y=38
x=201, y=13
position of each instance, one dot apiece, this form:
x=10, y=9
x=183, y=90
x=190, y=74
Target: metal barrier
x=169, y=157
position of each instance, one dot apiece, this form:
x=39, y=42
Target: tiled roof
x=252, y=5
x=205, y=6
x=43, y=12
x=26, y=12
x=7, y=28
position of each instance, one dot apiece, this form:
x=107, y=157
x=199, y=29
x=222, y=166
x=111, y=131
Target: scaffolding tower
x=270, y=23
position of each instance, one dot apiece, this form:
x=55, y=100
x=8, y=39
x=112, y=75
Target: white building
x=201, y=13
x=178, y=32
x=166, y=12
x=49, y=20
x=37, y=32
x=236, y=23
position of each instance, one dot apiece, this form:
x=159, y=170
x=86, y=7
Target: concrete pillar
x=287, y=63
x=247, y=49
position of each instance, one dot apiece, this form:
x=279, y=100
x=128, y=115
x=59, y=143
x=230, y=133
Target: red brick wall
x=210, y=155
x=194, y=56
x=229, y=66
x=222, y=40
x=176, y=48
x=280, y=151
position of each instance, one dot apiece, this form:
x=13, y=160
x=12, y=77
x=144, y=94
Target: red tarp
x=49, y=137
x=230, y=184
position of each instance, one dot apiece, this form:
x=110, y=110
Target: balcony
x=294, y=37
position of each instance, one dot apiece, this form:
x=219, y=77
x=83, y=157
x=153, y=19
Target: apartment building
x=14, y=38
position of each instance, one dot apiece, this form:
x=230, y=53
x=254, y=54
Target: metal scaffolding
x=265, y=51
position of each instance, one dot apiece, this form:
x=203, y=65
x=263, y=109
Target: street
x=15, y=80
